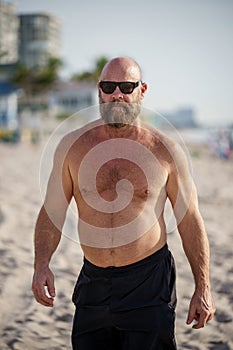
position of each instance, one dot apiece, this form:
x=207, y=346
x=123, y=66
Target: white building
x=71, y=97
x=9, y=24
x=39, y=39
x=8, y=106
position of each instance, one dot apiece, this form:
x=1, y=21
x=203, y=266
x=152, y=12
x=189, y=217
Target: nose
x=117, y=94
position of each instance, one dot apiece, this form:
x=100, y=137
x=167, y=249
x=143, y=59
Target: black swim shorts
x=130, y=307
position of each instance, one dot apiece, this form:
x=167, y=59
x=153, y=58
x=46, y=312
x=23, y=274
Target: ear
x=143, y=89
x=99, y=89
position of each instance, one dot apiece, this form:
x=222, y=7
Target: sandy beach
x=26, y=325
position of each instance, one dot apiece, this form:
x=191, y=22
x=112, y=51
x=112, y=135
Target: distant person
x=120, y=172
x=224, y=145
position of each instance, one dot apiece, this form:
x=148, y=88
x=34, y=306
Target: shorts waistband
x=153, y=258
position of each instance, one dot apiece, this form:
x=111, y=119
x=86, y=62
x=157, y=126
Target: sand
x=26, y=325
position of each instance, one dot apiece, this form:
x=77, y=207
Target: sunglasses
x=126, y=87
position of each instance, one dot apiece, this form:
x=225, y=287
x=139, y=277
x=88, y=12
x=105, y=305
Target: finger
x=45, y=303
x=211, y=313
x=41, y=297
x=201, y=320
x=191, y=315
x=51, y=287
x=211, y=316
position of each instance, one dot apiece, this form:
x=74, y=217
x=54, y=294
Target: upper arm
x=60, y=187
x=181, y=189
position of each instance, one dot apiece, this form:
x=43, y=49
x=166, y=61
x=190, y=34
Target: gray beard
x=118, y=114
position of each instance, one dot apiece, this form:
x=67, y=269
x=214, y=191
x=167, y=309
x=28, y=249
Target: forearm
x=183, y=196
x=196, y=246
x=47, y=238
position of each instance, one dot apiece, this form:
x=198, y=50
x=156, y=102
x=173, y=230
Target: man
x=120, y=172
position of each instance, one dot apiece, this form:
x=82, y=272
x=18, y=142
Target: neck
x=123, y=130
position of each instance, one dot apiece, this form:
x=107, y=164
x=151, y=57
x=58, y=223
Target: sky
x=184, y=47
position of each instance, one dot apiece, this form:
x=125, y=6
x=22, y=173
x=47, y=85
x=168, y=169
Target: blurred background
x=51, y=56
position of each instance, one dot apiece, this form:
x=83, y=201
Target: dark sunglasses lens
x=107, y=87
x=126, y=87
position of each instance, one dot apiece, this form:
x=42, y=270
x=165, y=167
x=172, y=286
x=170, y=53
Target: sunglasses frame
x=119, y=84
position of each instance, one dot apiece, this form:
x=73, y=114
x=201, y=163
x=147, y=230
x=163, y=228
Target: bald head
x=127, y=109
x=121, y=69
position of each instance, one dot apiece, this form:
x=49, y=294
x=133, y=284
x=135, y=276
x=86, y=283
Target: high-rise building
x=8, y=33
x=39, y=39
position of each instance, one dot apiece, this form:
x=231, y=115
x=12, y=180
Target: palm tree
x=46, y=78
x=36, y=82
x=92, y=75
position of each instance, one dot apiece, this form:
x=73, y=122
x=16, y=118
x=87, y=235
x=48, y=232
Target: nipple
x=147, y=191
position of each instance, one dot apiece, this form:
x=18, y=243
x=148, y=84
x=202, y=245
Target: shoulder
x=174, y=153
x=164, y=143
x=76, y=137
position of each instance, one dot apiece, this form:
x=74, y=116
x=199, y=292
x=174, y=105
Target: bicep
x=181, y=189
x=59, y=189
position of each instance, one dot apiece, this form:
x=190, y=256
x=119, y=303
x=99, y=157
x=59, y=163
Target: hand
x=201, y=309
x=43, y=286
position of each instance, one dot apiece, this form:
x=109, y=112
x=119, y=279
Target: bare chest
x=118, y=167
x=122, y=177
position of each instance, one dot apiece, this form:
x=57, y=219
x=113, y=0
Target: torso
x=119, y=228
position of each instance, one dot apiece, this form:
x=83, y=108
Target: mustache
x=118, y=102
x=121, y=104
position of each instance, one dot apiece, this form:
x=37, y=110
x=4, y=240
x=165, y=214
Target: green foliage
x=22, y=75
x=63, y=116
x=34, y=80
x=3, y=53
x=94, y=74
